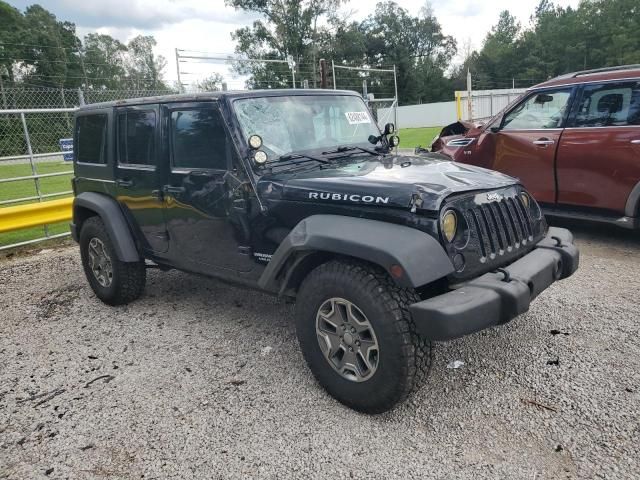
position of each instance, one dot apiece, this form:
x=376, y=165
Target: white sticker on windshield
x=357, y=117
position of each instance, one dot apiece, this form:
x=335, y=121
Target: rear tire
x=370, y=381
x=113, y=281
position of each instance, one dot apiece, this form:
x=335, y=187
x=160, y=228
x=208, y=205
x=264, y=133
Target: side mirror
x=389, y=128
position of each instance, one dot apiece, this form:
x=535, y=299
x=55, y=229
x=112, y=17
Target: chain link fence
x=33, y=122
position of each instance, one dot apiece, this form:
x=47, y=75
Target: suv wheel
x=357, y=336
x=113, y=281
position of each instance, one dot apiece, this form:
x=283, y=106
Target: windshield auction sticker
x=357, y=117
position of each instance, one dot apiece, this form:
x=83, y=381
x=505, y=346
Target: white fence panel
x=425, y=115
x=487, y=103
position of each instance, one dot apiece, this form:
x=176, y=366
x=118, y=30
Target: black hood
x=391, y=180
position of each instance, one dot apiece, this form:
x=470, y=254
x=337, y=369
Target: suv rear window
x=609, y=105
x=91, y=139
x=136, y=137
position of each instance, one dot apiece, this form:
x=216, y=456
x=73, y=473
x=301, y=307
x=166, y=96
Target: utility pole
x=323, y=73
x=469, y=100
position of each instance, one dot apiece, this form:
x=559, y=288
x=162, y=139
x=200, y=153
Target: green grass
x=26, y=188
x=412, y=137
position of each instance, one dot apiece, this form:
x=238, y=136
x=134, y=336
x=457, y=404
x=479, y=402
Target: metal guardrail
x=35, y=215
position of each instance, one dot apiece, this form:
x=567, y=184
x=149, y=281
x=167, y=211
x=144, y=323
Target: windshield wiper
x=296, y=156
x=349, y=148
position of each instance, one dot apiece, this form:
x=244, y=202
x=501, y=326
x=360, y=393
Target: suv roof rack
x=580, y=73
x=605, y=69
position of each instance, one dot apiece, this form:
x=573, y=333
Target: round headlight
x=260, y=157
x=525, y=199
x=449, y=225
x=255, y=141
x=394, y=141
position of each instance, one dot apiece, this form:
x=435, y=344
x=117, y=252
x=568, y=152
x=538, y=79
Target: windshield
x=305, y=122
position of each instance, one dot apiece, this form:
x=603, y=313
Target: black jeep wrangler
x=299, y=194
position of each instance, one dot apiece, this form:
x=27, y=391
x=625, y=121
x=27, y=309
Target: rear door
x=598, y=160
x=140, y=173
x=526, y=143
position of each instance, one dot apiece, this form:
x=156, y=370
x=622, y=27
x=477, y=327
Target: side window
x=136, y=137
x=91, y=139
x=609, y=105
x=540, y=110
x=198, y=139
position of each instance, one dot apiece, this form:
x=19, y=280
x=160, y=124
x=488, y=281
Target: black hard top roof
x=211, y=96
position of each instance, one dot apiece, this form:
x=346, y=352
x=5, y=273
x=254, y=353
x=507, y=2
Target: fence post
x=64, y=105
x=36, y=180
x=395, y=109
x=469, y=99
x=4, y=98
x=491, y=104
x=333, y=73
x=323, y=73
x=81, y=97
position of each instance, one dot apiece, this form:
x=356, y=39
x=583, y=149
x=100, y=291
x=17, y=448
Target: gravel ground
x=199, y=379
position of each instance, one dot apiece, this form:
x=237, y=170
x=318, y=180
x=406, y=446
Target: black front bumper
x=497, y=297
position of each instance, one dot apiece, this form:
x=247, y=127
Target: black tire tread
x=130, y=277
x=416, y=352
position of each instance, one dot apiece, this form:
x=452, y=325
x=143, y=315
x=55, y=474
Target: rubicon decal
x=348, y=197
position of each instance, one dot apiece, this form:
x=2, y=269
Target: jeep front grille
x=501, y=226
x=495, y=232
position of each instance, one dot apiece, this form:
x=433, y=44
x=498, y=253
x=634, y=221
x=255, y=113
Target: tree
x=12, y=28
x=103, y=61
x=287, y=29
x=50, y=50
x=212, y=83
x=144, y=69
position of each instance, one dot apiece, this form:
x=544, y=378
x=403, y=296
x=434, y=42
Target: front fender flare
x=115, y=223
x=422, y=258
x=632, y=207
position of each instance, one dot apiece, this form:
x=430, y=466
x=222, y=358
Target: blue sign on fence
x=66, y=145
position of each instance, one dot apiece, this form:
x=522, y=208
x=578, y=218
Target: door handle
x=544, y=142
x=125, y=183
x=636, y=142
x=172, y=189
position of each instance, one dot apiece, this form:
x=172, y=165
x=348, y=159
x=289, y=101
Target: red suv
x=573, y=141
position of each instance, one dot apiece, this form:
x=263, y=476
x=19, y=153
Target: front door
x=202, y=195
x=599, y=155
x=140, y=174
x=527, y=140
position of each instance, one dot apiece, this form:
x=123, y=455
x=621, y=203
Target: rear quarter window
x=91, y=139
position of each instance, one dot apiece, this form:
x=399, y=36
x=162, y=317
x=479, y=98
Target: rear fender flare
x=114, y=221
x=422, y=258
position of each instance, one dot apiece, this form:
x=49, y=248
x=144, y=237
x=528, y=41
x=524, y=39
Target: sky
x=206, y=25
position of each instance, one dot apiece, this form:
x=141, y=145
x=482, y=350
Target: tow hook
x=558, y=241
x=506, y=275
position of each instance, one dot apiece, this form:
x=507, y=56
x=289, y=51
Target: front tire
x=113, y=281
x=357, y=335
